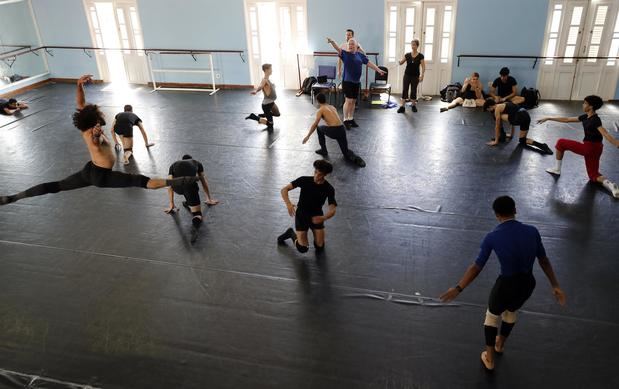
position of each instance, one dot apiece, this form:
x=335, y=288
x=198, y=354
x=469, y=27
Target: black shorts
x=191, y=193
x=127, y=132
x=351, y=89
x=510, y=293
x=303, y=221
x=522, y=119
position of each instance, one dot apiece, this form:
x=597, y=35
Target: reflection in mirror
x=17, y=35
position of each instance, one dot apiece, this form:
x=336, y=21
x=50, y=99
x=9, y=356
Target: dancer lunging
x=269, y=108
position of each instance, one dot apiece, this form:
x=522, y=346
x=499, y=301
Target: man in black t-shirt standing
x=505, y=88
x=123, y=126
x=189, y=167
x=308, y=213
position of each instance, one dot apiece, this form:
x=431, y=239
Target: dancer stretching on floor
x=123, y=126
x=308, y=213
x=269, y=108
x=98, y=171
x=334, y=129
x=591, y=147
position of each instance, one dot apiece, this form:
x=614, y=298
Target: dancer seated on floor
x=189, y=167
x=11, y=106
x=472, y=94
x=505, y=88
x=98, y=171
x=516, y=245
x=516, y=116
x=123, y=126
x=308, y=213
x=591, y=147
x=269, y=108
x=334, y=129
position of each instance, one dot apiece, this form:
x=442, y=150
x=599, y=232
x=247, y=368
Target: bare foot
x=489, y=365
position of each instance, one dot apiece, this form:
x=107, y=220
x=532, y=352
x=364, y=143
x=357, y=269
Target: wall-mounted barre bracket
x=49, y=52
x=87, y=53
x=242, y=58
x=535, y=63
x=194, y=57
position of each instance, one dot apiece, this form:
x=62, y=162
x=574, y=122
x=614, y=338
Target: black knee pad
x=196, y=221
x=522, y=141
x=144, y=181
x=301, y=248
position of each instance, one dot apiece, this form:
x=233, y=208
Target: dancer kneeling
x=516, y=116
x=269, y=108
x=308, y=214
x=334, y=129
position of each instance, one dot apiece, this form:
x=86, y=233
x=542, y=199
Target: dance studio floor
x=101, y=287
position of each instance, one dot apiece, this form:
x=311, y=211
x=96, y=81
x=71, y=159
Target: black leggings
x=409, y=82
x=338, y=133
x=269, y=110
x=91, y=174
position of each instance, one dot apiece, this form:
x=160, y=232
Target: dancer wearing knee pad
x=189, y=167
x=333, y=129
x=591, y=147
x=515, y=116
x=98, y=172
x=516, y=246
x=269, y=108
x=308, y=213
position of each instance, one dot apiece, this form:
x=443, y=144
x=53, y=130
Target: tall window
x=393, y=29
x=572, y=35
x=553, y=36
x=446, y=34
x=429, y=37
x=596, y=34
x=614, y=44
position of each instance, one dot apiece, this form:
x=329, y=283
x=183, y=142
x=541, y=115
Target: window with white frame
x=446, y=33
x=613, y=51
x=596, y=32
x=393, y=32
x=429, y=36
x=553, y=36
x=572, y=34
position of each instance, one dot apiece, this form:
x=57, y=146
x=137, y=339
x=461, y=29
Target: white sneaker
x=554, y=171
x=614, y=189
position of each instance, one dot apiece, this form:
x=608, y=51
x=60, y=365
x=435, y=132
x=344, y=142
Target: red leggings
x=592, y=151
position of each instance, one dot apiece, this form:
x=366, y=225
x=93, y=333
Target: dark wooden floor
x=101, y=287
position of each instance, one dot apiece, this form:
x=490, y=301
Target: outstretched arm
x=210, y=200
x=469, y=275
x=610, y=138
x=550, y=274
x=313, y=127
x=260, y=87
x=373, y=66
x=559, y=119
x=335, y=46
x=80, y=97
x=114, y=133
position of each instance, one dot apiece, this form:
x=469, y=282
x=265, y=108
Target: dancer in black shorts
x=98, y=172
x=123, y=126
x=516, y=245
x=412, y=75
x=516, y=116
x=334, y=129
x=308, y=213
x=189, y=167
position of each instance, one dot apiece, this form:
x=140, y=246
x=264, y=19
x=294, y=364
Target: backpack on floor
x=307, y=84
x=531, y=97
x=450, y=92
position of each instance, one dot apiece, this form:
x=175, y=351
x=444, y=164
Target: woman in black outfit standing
x=412, y=75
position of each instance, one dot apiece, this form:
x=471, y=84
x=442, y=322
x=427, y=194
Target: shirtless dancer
x=334, y=129
x=98, y=171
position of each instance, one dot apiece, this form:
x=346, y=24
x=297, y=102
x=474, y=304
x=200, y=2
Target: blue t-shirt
x=353, y=65
x=515, y=244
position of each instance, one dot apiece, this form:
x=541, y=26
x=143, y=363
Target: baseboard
x=202, y=86
x=71, y=80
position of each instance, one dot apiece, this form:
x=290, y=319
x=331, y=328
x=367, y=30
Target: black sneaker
x=289, y=234
x=414, y=108
x=401, y=109
x=353, y=123
x=347, y=124
x=444, y=109
x=545, y=148
x=252, y=116
x=322, y=152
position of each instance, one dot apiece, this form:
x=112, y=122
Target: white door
x=277, y=31
x=596, y=76
x=403, y=23
x=115, y=25
x=580, y=28
x=438, y=20
x=564, y=36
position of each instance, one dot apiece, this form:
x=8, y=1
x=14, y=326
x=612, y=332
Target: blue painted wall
x=499, y=27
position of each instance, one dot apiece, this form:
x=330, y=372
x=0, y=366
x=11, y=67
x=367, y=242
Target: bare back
x=101, y=153
x=328, y=113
